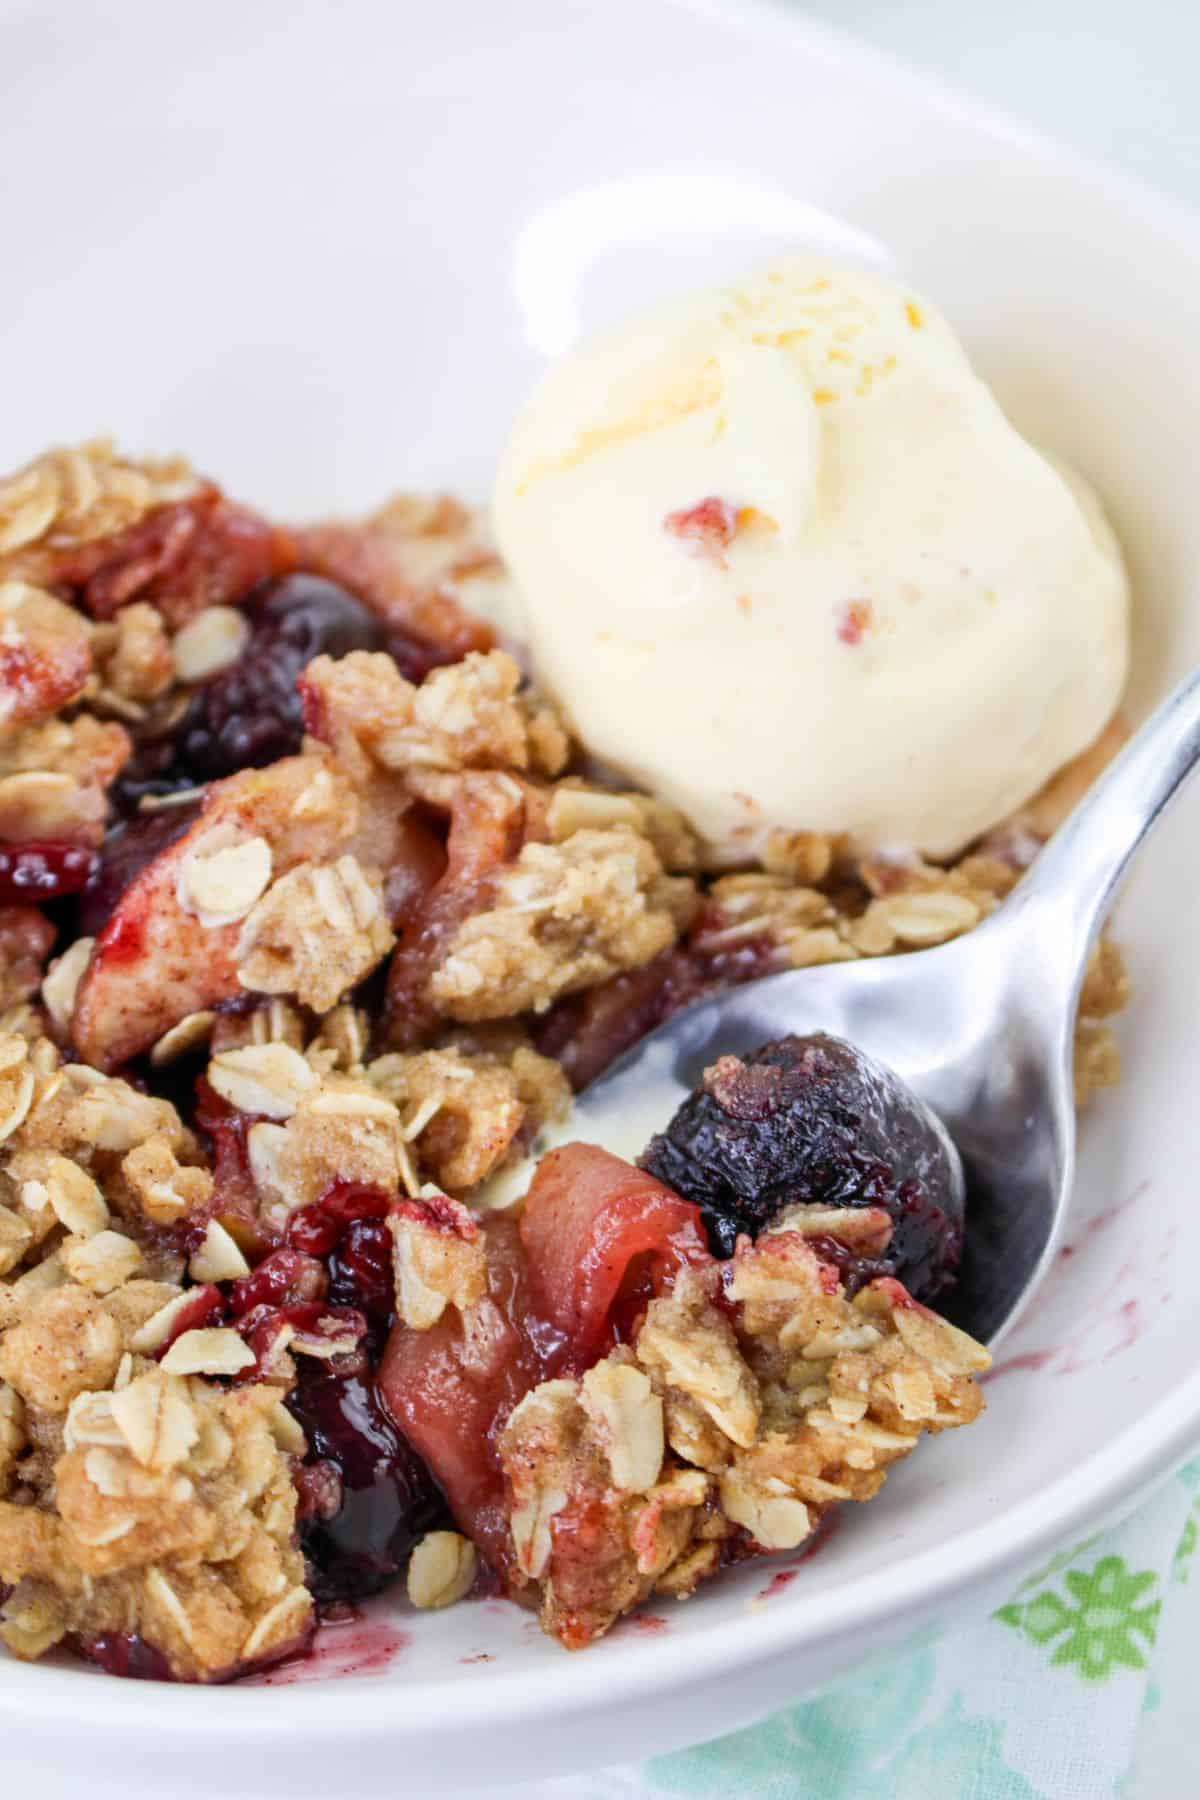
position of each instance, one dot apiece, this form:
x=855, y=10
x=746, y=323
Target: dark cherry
x=319, y=1490
x=44, y=871
x=128, y=1654
x=365, y=1494
x=126, y=850
x=318, y=1227
x=388, y=1499
x=262, y=1326
x=812, y=1119
x=361, y=1272
x=152, y=773
x=249, y=715
x=346, y=1226
x=285, y=1278
x=415, y=656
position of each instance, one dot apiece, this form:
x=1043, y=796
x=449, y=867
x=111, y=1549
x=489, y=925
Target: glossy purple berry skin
x=249, y=715
x=811, y=1120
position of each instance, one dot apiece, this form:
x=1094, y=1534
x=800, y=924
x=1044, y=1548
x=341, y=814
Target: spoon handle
x=1070, y=886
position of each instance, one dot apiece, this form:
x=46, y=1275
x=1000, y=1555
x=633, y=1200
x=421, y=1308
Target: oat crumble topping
x=70, y=497
x=374, y=965
x=562, y=917
x=805, y=1399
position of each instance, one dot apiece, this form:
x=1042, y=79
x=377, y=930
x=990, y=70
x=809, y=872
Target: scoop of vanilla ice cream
x=784, y=561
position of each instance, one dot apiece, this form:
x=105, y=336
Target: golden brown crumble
x=47, y=651
x=188, y=905
x=270, y=1022
x=66, y=1345
x=161, y=1186
x=800, y=923
x=468, y=715
x=25, y=939
x=131, y=1499
x=890, y=904
x=549, y=743
x=562, y=917
x=805, y=857
x=465, y=1114
x=464, y=716
x=885, y=904
x=89, y=750
x=315, y=1126
x=69, y=497
x=708, y=1426
x=438, y=1261
x=1105, y=991
x=577, y=806
x=133, y=654
x=173, y=1518
x=315, y=933
x=88, y=1114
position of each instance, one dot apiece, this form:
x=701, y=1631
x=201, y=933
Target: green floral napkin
x=1040, y=1701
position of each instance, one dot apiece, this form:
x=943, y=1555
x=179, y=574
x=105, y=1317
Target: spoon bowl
x=1004, y=1100
x=980, y=1029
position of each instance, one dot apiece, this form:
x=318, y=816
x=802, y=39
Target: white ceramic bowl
x=323, y=251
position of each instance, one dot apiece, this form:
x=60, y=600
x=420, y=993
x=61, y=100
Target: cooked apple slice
x=170, y=947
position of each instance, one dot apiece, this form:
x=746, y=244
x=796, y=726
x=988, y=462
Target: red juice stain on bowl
x=354, y=1645
x=1130, y=1319
x=782, y=1578
x=1030, y=1360
x=1116, y=1320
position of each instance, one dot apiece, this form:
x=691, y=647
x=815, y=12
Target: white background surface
x=1115, y=77
x=1119, y=80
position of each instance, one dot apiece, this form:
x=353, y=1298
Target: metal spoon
x=981, y=1029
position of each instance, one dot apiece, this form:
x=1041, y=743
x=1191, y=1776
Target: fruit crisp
x=311, y=917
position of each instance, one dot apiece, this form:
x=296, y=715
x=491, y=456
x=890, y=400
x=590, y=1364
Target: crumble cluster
x=69, y=498
x=392, y=1123
x=754, y=1398
x=136, y=1495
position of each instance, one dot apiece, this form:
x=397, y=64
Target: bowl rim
x=1099, y=1490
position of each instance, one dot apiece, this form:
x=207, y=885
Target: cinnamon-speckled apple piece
x=45, y=654
x=155, y=961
